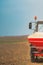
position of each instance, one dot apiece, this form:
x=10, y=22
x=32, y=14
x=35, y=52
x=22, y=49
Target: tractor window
x=40, y=27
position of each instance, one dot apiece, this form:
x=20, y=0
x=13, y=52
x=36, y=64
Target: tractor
x=36, y=42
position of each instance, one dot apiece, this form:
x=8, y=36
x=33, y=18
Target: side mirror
x=30, y=25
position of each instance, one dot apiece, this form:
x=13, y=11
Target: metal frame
x=38, y=22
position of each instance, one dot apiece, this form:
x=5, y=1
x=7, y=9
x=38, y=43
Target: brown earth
x=15, y=52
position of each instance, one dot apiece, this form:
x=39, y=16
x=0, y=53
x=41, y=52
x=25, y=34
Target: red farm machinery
x=36, y=42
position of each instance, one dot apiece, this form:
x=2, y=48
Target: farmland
x=15, y=50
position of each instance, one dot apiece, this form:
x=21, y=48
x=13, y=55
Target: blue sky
x=16, y=14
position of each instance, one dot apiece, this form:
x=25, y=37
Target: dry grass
x=16, y=53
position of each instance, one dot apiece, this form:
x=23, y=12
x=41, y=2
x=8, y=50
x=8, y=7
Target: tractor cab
x=38, y=24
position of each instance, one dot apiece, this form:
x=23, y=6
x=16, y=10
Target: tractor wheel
x=32, y=56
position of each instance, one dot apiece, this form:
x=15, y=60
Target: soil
x=16, y=53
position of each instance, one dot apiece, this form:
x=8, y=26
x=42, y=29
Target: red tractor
x=36, y=42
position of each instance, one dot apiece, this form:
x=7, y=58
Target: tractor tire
x=32, y=58
x=32, y=55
